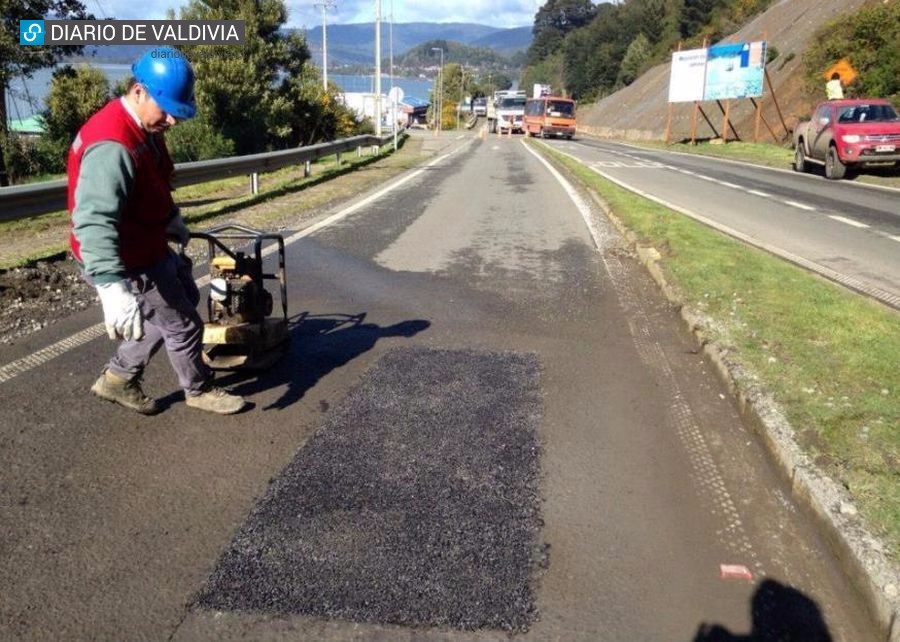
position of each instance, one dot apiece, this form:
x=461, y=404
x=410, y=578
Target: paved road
x=847, y=230
x=635, y=480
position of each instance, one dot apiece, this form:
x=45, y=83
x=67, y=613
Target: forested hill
x=423, y=56
x=804, y=38
x=591, y=50
x=355, y=43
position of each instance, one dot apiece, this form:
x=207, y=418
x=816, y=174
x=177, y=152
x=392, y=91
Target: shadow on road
x=319, y=344
x=780, y=613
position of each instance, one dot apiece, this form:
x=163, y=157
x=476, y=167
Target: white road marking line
x=884, y=296
x=39, y=358
x=756, y=192
x=895, y=238
x=848, y=221
x=731, y=185
x=801, y=206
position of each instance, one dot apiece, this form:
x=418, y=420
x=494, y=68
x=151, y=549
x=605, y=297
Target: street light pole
x=440, y=98
x=325, y=5
x=378, y=68
x=393, y=93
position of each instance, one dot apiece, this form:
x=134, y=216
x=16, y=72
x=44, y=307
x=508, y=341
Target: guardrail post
x=254, y=183
x=359, y=152
x=307, y=169
x=375, y=150
x=338, y=158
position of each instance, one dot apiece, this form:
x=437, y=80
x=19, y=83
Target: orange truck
x=549, y=116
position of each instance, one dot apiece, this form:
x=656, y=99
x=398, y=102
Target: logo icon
x=31, y=32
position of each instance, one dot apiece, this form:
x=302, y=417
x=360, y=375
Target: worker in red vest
x=120, y=200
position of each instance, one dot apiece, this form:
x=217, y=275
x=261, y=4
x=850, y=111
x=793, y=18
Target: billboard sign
x=688, y=75
x=718, y=73
x=735, y=71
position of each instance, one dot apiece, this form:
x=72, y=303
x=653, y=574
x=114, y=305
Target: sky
x=497, y=13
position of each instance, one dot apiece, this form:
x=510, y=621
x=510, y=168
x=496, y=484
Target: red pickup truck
x=846, y=134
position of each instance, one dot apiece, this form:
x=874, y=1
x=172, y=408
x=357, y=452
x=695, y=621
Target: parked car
x=845, y=135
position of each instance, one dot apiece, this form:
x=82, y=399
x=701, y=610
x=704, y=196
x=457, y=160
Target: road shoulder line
x=885, y=188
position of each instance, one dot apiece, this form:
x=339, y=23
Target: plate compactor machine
x=240, y=332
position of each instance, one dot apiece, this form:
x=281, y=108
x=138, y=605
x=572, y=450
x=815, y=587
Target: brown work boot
x=125, y=392
x=217, y=400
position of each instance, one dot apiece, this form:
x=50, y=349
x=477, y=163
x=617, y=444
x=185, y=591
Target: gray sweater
x=104, y=182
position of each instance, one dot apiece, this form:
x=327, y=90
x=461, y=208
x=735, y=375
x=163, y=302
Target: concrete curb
x=862, y=556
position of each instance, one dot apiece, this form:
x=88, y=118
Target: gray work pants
x=168, y=298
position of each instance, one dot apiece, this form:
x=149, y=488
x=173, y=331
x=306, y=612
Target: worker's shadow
x=780, y=613
x=318, y=344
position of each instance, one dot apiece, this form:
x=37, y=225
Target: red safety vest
x=142, y=226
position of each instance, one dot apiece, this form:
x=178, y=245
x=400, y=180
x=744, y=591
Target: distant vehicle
x=549, y=116
x=500, y=94
x=510, y=113
x=845, y=135
x=479, y=106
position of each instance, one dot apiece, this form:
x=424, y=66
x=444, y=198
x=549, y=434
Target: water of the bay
x=25, y=97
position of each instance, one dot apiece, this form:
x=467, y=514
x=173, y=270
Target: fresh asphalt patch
x=416, y=503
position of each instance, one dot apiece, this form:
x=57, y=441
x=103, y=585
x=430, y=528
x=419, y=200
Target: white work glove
x=177, y=229
x=121, y=311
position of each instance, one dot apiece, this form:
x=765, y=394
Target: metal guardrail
x=23, y=201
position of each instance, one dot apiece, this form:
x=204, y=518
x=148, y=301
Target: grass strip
x=829, y=357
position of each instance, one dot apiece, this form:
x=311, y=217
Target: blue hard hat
x=168, y=78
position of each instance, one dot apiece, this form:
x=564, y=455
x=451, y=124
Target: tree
x=548, y=71
x=196, y=140
x=244, y=92
x=592, y=55
x=17, y=60
x=636, y=57
x=553, y=21
x=75, y=94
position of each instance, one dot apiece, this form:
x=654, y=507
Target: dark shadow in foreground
x=780, y=613
x=319, y=344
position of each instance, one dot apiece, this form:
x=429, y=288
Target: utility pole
x=440, y=96
x=325, y=5
x=378, y=68
x=393, y=93
x=462, y=88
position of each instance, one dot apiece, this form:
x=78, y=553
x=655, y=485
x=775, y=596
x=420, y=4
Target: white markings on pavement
x=873, y=291
x=895, y=238
x=20, y=366
x=756, y=192
x=14, y=369
x=848, y=221
x=801, y=206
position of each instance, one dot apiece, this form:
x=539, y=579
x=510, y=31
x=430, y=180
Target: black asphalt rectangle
x=416, y=503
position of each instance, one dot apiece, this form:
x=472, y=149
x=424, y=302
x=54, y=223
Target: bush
x=21, y=156
x=870, y=40
x=195, y=140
